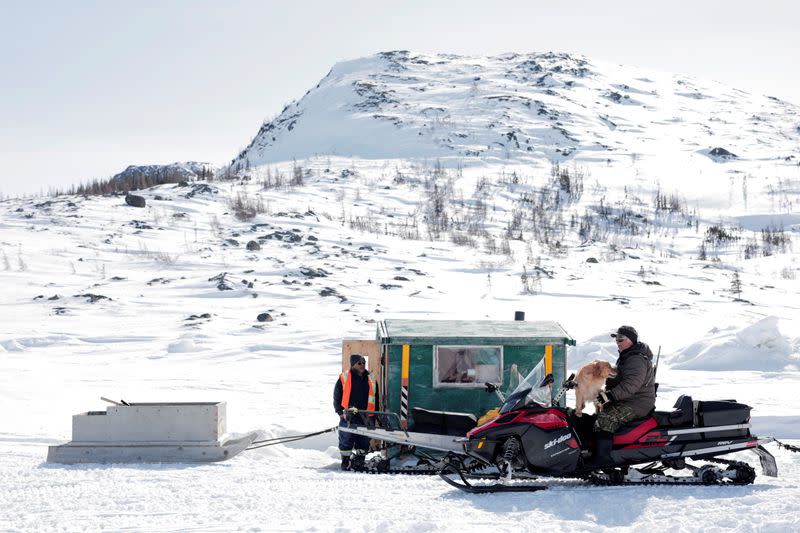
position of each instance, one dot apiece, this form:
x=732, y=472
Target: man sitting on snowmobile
x=628, y=396
x=354, y=388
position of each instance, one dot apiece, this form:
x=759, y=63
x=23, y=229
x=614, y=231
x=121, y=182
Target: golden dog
x=589, y=381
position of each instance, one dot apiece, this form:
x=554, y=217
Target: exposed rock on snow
x=135, y=200
x=92, y=298
x=721, y=154
x=200, y=188
x=221, y=282
x=328, y=291
x=285, y=236
x=311, y=272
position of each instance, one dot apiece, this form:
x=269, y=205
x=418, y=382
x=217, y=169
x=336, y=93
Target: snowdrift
x=757, y=347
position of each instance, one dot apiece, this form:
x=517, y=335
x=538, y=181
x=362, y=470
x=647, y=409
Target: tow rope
x=787, y=446
x=289, y=438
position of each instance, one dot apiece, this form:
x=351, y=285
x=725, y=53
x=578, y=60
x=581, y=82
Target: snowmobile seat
x=634, y=430
x=681, y=415
x=442, y=422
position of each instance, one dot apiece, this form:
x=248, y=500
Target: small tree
x=736, y=285
x=703, y=255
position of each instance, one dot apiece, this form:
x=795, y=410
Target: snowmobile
x=533, y=436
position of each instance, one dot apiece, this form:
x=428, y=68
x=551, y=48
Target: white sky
x=89, y=87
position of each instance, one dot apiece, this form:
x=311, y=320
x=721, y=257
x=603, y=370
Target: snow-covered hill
x=529, y=109
x=162, y=303
x=187, y=170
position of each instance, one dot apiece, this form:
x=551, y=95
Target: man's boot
x=345, y=462
x=357, y=462
x=603, y=442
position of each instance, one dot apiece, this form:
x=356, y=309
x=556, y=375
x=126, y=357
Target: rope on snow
x=288, y=438
x=787, y=446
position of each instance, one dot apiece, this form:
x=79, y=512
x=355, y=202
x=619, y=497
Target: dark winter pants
x=348, y=442
x=613, y=417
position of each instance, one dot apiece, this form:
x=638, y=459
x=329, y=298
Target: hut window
x=467, y=366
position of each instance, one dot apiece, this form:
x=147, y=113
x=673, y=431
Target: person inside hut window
x=456, y=366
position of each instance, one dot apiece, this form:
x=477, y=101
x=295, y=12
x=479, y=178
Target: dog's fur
x=589, y=381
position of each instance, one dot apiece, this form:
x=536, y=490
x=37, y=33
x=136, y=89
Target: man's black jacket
x=634, y=384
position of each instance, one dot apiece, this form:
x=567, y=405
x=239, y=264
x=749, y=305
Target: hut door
x=369, y=349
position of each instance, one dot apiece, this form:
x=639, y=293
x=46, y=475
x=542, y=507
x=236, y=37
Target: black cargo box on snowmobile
x=723, y=413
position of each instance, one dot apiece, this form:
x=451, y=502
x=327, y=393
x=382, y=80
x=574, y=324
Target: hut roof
x=506, y=332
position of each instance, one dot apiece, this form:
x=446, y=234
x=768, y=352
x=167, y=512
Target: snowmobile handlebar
x=492, y=388
x=568, y=383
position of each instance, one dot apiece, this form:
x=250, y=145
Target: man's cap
x=357, y=358
x=627, y=331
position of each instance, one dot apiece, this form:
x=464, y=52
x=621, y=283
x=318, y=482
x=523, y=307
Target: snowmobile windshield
x=534, y=389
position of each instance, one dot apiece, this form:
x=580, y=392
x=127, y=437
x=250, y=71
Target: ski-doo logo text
x=560, y=439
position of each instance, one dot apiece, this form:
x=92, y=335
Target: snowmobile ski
x=501, y=485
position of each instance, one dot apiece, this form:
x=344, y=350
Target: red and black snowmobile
x=534, y=437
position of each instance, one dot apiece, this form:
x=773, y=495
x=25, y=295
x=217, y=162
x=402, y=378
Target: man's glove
x=603, y=398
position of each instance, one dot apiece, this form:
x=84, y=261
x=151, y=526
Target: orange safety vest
x=347, y=384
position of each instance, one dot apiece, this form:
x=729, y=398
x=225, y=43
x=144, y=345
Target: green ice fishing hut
x=443, y=365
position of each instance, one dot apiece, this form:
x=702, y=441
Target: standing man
x=354, y=388
x=631, y=394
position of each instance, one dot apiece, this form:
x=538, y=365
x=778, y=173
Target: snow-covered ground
x=160, y=303
x=155, y=266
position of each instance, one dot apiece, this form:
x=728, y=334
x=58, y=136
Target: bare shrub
x=408, y=229
x=273, y=181
x=570, y=183
x=672, y=203
x=505, y=247
x=297, y=175
x=490, y=245
x=436, y=205
x=750, y=249
x=366, y=223
x=461, y=238
x=216, y=226
x=245, y=208
x=165, y=258
x=531, y=282
x=775, y=240
x=702, y=254
x=23, y=266
x=719, y=236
